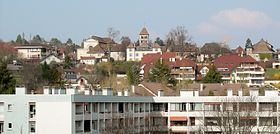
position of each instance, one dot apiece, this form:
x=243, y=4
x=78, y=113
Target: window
x=1, y=127
x=130, y=54
x=1, y=107
x=9, y=107
x=136, y=54
x=10, y=126
x=32, y=127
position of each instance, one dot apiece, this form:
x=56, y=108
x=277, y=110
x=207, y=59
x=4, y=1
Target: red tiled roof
x=231, y=61
x=87, y=58
x=248, y=59
x=148, y=61
x=238, y=50
x=144, y=31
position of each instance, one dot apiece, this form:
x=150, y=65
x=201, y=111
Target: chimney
x=196, y=93
x=240, y=92
x=126, y=93
x=201, y=87
x=160, y=93
x=254, y=92
x=20, y=90
x=119, y=93
x=133, y=88
x=229, y=92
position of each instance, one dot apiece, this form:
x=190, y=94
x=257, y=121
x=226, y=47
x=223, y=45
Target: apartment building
x=31, y=52
x=69, y=111
x=240, y=69
x=135, y=53
x=181, y=68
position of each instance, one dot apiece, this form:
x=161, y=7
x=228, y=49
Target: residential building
x=135, y=53
x=237, y=69
x=210, y=51
x=181, y=68
x=51, y=58
x=31, y=52
x=90, y=60
x=99, y=47
x=262, y=50
x=69, y=111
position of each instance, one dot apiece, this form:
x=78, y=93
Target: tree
x=37, y=39
x=178, y=36
x=67, y=62
x=33, y=80
x=7, y=81
x=19, y=39
x=113, y=34
x=159, y=41
x=133, y=75
x=238, y=115
x=52, y=75
x=125, y=40
x=161, y=73
x=55, y=41
x=213, y=76
x=69, y=41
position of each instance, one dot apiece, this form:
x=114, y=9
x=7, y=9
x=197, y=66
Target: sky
x=206, y=20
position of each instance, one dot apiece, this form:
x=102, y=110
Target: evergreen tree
x=67, y=62
x=133, y=75
x=19, y=39
x=213, y=76
x=161, y=73
x=7, y=81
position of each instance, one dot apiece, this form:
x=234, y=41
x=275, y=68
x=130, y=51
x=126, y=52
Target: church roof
x=144, y=31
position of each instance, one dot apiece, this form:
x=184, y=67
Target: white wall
x=55, y=115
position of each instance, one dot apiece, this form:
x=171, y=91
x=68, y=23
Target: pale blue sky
x=206, y=20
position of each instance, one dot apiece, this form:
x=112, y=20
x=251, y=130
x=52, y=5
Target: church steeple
x=143, y=36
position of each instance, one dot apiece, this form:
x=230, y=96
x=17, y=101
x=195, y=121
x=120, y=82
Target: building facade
x=31, y=52
x=68, y=111
x=135, y=53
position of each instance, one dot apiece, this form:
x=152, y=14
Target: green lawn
x=269, y=73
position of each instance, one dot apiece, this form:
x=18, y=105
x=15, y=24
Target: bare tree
x=178, y=36
x=238, y=116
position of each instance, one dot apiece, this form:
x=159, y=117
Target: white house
x=31, y=52
x=89, y=60
x=99, y=47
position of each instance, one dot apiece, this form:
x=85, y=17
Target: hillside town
x=156, y=86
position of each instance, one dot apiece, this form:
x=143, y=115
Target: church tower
x=143, y=36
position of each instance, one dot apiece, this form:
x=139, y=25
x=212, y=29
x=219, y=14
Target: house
x=188, y=50
x=237, y=69
x=99, y=47
x=181, y=68
x=238, y=50
x=51, y=58
x=262, y=50
x=89, y=60
x=99, y=110
x=31, y=52
x=135, y=53
x=202, y=70
x=210, y=51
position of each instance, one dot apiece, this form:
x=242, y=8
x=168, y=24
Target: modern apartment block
x=240, y=69
x=68, y=111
